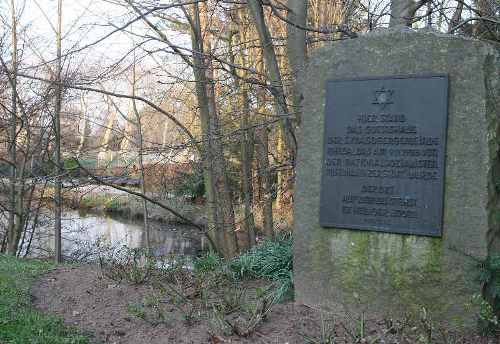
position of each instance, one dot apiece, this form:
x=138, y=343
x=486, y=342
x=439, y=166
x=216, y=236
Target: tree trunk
x=85, y=130
x=140, y=148
x=285, y=175
x=11, y=230
x=108, y=131
x=274, y=75
x=220, y=206
x=262, y=148
x=485, y=29
x=247, y=142
x=296, y=49
x=457, y=15
x=57, y=132
x=402, y=12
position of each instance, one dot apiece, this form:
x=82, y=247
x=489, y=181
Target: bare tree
x=296, y=48
x=57, y=138
x=220, y=197
x=12, y=141
x=285, y=175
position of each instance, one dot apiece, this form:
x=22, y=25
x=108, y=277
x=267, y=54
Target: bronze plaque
x=384, y=154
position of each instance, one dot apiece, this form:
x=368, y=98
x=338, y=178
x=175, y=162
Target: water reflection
x=81, y=230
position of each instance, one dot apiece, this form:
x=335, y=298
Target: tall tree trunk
x=143, y=184
x=140, y=147
x=274, y=75
x=247, y=144
x=297, y=57
x=296, y=48
x=457, y=15
x=26, y=218
x=85, y=130
x=17, y=190
x=285, y=175
x=221, y=213
x=108, y=131
x=20, y=203
x=35, y=220
x=57, y=132
x=262, y=148
x=485, y=29
x=247, y=141
x=402, y=12
x=264, y=167
x=11, y=231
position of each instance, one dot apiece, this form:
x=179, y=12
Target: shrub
x=134, y=265
x=489, y=276
x=71, y=167
x=208, y=262
x=273, y=260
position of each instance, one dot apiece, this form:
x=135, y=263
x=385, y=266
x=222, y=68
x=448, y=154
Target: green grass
x=20, y=323
x=272, y=260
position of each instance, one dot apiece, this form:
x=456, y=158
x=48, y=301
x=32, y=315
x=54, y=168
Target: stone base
x=390, y=274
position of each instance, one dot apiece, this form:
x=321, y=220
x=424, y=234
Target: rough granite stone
x=350, y=271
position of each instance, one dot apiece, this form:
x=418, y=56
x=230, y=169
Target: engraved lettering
x=384, y=155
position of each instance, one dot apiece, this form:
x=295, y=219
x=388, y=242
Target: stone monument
x=397, y=175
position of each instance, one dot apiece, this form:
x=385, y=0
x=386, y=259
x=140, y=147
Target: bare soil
x=104, y=309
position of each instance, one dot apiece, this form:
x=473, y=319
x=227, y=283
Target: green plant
x=427, y=326
x=190, y=184
x=149, y=310
x=86, y=202
x=489, y=301
x=112, y=204
x=232, y=300
x=327, y=333
x=210, y=261
x=488, y=320
x=273, y=260
x=132, y=265
x=136, y=310
x=71, y=167
x=237, y=315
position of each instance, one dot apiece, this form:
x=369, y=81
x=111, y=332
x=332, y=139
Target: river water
x=85, y=233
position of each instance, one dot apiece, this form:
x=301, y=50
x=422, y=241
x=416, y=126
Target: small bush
x=273, y=260
x=208, y=262
x=71, y=167
x=112, y=204
x=132, y=265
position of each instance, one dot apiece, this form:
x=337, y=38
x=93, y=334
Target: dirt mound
x=99, y=306
x=120, y=313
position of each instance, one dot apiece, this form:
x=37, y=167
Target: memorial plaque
x=384, y=154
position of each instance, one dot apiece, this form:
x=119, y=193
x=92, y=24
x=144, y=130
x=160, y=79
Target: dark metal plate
x=384, y=154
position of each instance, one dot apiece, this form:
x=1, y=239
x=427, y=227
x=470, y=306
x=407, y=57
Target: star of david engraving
x=383, y=97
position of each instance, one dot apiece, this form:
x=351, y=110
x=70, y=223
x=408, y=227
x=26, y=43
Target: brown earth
x=104, y=310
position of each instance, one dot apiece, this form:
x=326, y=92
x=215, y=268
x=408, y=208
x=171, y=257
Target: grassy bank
x=20, y=323
x=131, y=206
